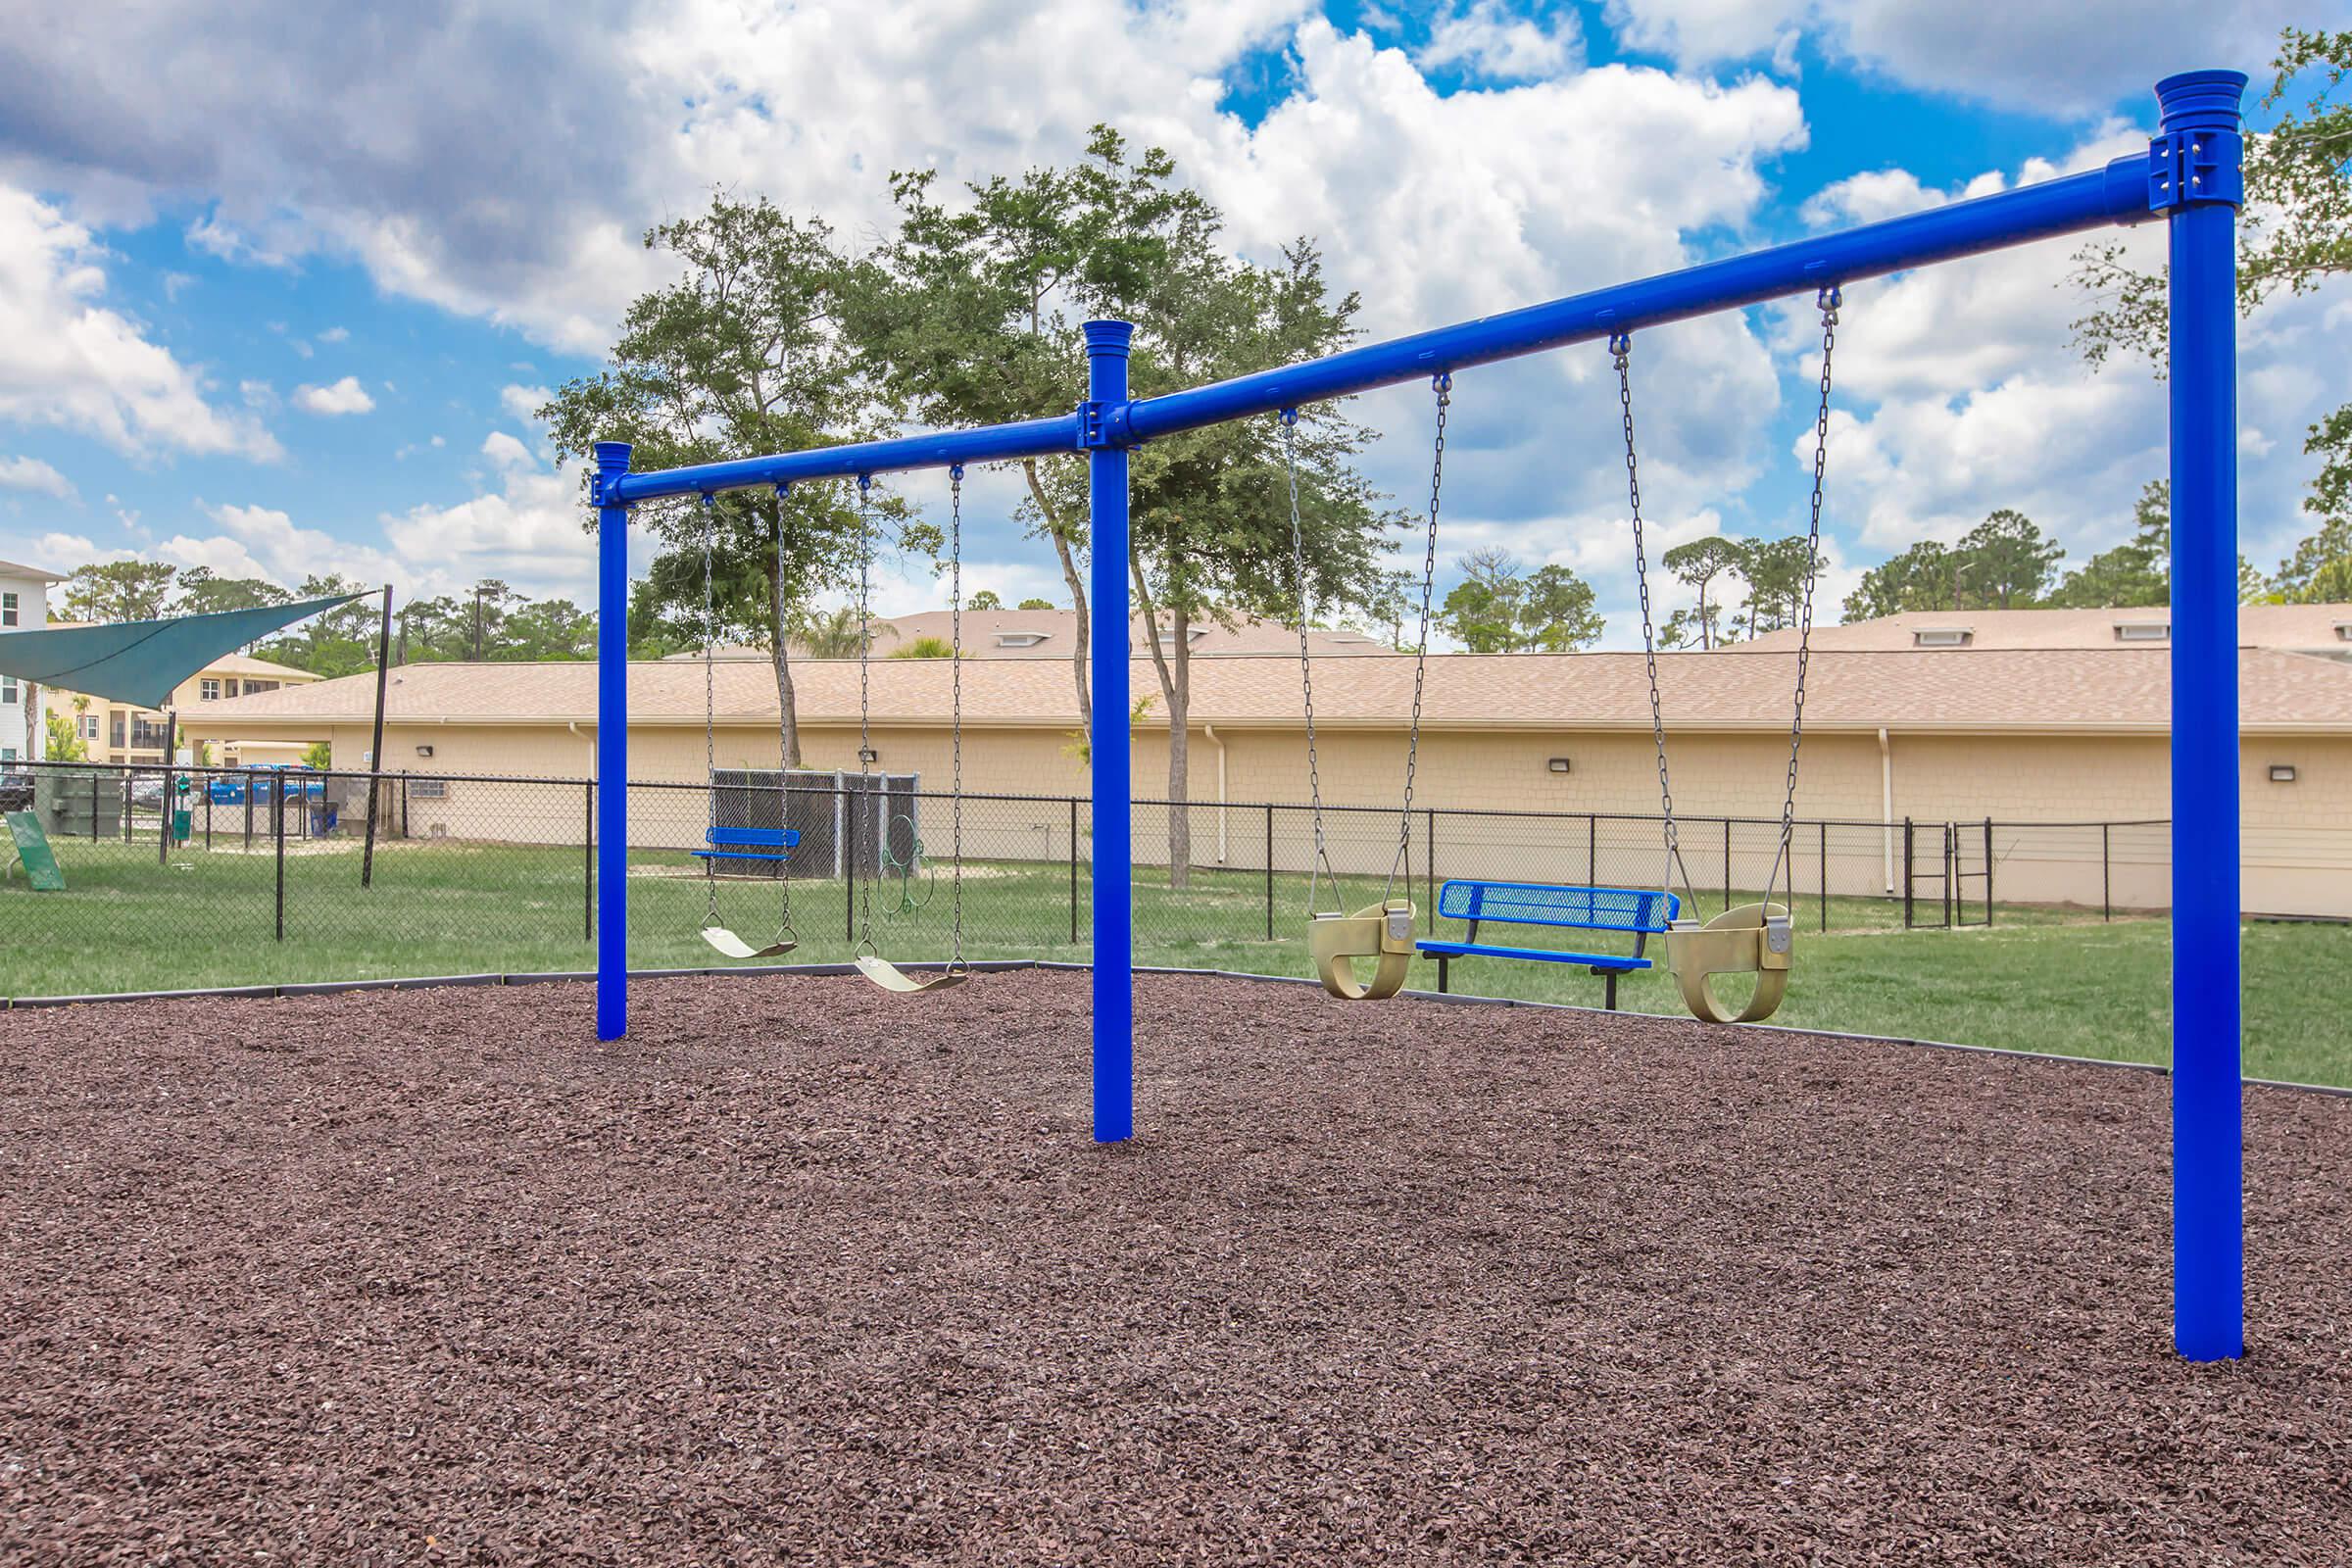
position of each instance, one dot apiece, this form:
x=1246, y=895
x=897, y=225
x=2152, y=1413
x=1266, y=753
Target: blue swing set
x=2189, y=179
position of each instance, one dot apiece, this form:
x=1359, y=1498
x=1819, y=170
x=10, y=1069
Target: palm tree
x=835, y=633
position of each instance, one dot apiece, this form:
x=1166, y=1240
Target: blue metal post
x=612, y=745
x=2194, y=178
x=1107, y=655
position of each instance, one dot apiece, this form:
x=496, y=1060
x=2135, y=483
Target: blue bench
x=1645, y=914
x=768, y=844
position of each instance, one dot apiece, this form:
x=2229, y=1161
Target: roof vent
x=2343, y=631
x=1942, y=637
x=1021, y=639
x=2143, y=631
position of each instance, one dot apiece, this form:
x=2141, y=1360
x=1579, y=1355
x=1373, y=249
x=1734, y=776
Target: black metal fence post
x=844, y=812
x=1908, y=890
x=278, y=816
x=1429, y=862
x=1269, y=872
x=1951, y=864
x=588, y=863
x=1824, y=877
x=1727, y=863
x=1988, y=870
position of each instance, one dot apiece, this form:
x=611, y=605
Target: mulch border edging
x=328, y=987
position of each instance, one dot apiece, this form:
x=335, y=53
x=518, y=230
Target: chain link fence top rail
x=208, y=876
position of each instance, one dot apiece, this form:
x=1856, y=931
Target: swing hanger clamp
x=1103, y=425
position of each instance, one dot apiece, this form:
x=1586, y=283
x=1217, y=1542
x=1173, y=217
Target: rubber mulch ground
x=804, y=1272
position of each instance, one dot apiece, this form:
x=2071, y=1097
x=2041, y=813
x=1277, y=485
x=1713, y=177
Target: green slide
x=33, y=853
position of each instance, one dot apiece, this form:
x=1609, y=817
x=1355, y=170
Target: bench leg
x=1442, y=959
x=1612, y=991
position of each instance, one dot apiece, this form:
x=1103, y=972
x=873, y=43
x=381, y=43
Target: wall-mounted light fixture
x=1558, y=764
x=424, y=751
x=2283, y=772
x=867, y=757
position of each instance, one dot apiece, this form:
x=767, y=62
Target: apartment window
x=209, y=689
x=2143, y=631
x=9, y=610
x=8, y=691
x=1942, y=637
x=146, y=734
x=114, y=729
x=252, y=686
x=89, y=726
x=8, y=754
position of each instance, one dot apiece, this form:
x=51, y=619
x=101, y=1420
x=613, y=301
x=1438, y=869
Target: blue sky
x=277, y=296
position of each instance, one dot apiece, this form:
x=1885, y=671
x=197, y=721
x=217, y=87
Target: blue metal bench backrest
x=758, y=838
x=1545, y=904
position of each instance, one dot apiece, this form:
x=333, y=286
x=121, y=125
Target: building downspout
x=574, y=725
x=1211, y=731
x=1887, y=805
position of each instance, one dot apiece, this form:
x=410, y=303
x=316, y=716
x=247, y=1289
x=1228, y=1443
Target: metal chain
x=710, y=708
x=784, y=928
x=956, y=709
x=865, y=660
x=1828, y=301
x=1319, y=867
x=1443, y=385
x=1621, y=347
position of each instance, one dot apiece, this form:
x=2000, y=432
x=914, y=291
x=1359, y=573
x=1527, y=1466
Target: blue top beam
x=2118, y=194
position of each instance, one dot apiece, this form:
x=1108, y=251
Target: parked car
x=16, y=790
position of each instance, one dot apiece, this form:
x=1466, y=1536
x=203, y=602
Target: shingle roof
x=1058, y=628
x=2122, y=689
x=12, y=568
x=2310, y=627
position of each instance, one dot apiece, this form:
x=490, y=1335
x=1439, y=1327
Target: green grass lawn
x=2036, y=980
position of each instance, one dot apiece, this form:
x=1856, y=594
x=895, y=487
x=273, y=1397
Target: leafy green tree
x=1035, y=604
x=318, y=754
x=2007, y=560
x=1697, y=565
x=971, y=313
x=2294, y=234
x=203, y=592
x=1482, y=610
x=835, y=633
x=546, y=630
x=743, y=354
x=1680, y=630
x=2137, y=572
x=340, y=642
x=2319, y=569
x=113, y=591
x=1211, y=529
x=924, y=646
x=985, y=599
x=1497, y=609
x=1775, y=572
x=1922, y=577
x=63, y=742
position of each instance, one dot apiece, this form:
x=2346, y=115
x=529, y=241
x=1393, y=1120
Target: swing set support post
x=2195, y=181
x=2189, y=177
x=1107, y=749
x=612, y=743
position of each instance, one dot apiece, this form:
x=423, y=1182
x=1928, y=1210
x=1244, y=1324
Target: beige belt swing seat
x=1380, y=931
x=1749, y=939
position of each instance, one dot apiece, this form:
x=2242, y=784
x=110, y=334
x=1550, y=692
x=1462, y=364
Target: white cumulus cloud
x=34, y=477
x=345, y=396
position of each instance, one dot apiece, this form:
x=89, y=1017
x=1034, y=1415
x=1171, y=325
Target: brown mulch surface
x=804, y=1272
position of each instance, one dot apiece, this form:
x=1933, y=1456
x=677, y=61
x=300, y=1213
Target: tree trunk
x=1076, y=582
x=1175, y=689
x=788, y=710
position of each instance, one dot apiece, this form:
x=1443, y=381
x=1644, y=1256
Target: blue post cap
x=1111, y=337
x=613, y=457
x=2202, y=100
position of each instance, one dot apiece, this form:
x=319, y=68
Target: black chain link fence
x=202, y=877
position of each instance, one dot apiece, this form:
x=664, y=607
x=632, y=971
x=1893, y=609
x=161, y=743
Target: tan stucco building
x=2023, y=736
x=122, y=732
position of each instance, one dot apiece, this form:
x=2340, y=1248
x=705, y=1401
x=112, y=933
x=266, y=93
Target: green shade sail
x=141, y=662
